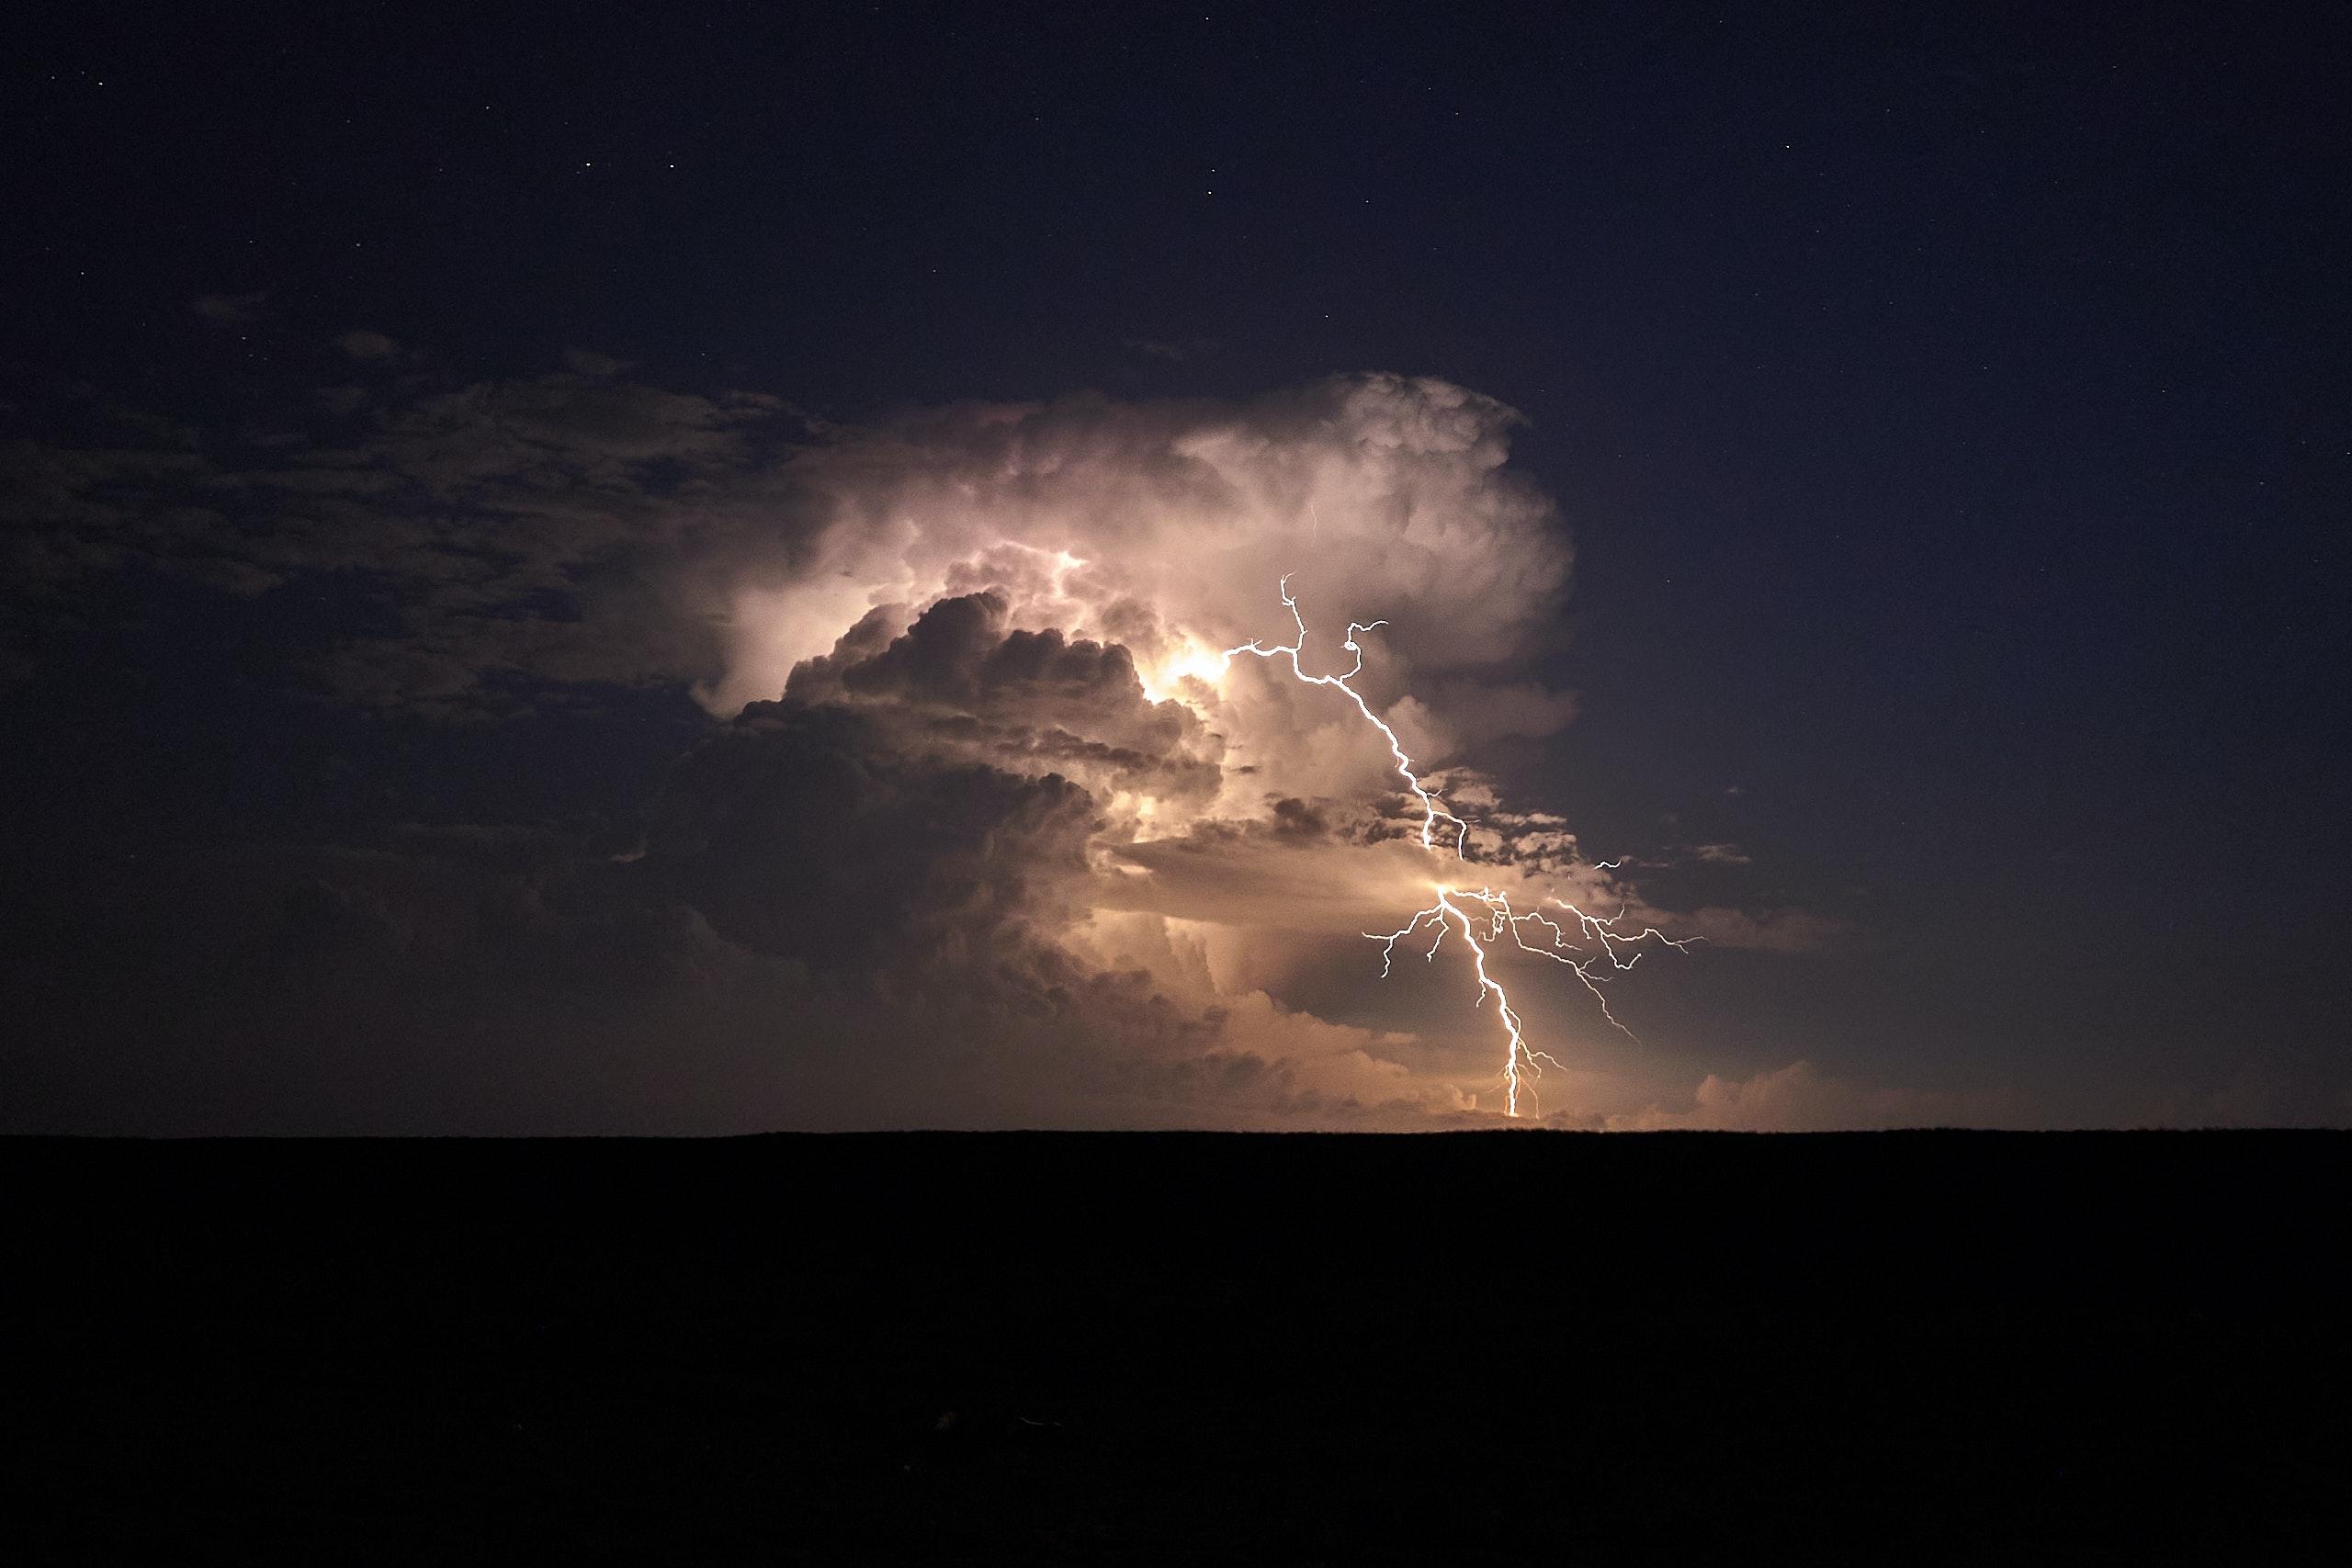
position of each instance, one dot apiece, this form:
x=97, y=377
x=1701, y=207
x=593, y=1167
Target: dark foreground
x=1077, y=1349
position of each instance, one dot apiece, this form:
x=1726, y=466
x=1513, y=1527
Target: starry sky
x=538, y=592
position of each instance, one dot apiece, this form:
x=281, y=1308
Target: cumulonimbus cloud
x=1165, y=527
x=980, y=774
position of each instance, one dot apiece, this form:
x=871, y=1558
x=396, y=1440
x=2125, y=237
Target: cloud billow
x=986, y=830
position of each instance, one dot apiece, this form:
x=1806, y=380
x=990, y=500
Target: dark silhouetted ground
x=1158, y=1348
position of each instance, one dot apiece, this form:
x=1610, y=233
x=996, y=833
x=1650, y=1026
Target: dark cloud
x=229, y=310
x=1175, y=353
x=518, y=536
x=579, y=528
x=985, y=830
x=801, y=832
x=782, y=955
x=588, y=362
x=410, y=988
x=1298, y=821
x=966, y=683
x=363, y=344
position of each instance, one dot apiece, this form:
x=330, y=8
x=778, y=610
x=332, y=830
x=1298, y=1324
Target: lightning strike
x=1597, y=937
x=1432, y=812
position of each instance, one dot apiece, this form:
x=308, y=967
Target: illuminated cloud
x=988, y=829
x=1164, y=526
x=1799, y=1098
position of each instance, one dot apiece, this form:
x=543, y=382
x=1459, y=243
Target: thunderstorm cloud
x=981, y=826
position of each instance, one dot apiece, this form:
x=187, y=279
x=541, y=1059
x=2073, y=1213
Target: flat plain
x=1077, y=1347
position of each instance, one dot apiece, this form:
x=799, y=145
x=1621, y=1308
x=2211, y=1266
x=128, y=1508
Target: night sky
x=1920, y=555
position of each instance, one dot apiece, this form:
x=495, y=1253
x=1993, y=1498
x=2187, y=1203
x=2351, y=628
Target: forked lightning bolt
x=1523, y=1064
